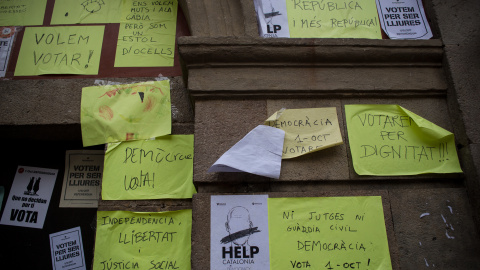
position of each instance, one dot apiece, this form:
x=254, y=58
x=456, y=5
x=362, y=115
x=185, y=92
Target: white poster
x=27, y=203
x=272, y=18
x=7, y=34
x=67, y=250
x=239, y=232
x=82, y=178
x=403, y=19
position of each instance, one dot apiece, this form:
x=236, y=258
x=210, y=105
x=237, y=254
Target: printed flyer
x=27, y=203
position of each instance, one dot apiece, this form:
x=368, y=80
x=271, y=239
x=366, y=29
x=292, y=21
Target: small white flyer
x=403, y=19
x=67, y=250
x=239, y=232
x=7, y=35
x=82, y=179
x=27, y=203
x=272, y=18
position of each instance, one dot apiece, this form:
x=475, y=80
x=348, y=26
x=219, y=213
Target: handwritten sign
x=306, y=130
x=7, y=36
x=67, y=250
x=328, y=233
x=147, y=34
x=148, y=240
x=22, y=12
x=333, y=19
x=239, y=232
x=391, y=140
x=149, y=169
x=82, y=178
x=113, y=113
x=27, y=203
x=404, y=19
x=86, y=11
x=60, y=50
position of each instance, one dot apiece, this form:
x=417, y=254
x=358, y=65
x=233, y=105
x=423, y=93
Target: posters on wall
x=149, y=169
x=147, y=34
x=403, y=19
x=306, y=130
x=7, y=36
x=318, y=19
x=113, y=113
x=22, y=12
x=67, y=250
x=82, y=179
x=391, y=140
x=239, y=232
x=83, y=11
x=259, y=152
x=60, y=50
x=328, y=233
x=143, y=240
x=29, y=197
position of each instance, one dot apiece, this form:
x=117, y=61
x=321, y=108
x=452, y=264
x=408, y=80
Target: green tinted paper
x=333, y=19
x=60, y=50
x=147, y=34
x=391, y=140
x=114, y=113
x=306, y=130
x=327, y=233
x=86, y=11
x=147, y=240
x=22, y=12
x=149, y=169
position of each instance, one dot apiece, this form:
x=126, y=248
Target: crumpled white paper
x=259, y=152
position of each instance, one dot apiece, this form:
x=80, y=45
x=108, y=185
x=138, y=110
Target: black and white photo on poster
x=272, y=18
x=82, y=178
x=403, y=19
x=67, y=250
x=239, y=232
x=28, y=200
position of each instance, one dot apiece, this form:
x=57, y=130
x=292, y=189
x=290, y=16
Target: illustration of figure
x=29, y=187
x=36, y=187
x=93, y=6
x=239, y=227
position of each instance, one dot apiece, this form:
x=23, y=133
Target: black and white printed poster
x=239, y=232
x=27, y=203
x=82, y=179
x=67, y=250
x=403, y=19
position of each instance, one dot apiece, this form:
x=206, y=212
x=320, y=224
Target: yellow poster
x=306, y=130
x=60, y=50
x=391, y=140
x=86, y=11
x=147, y=34
x=328, y=233
x=333, y=19
x=115, y=113
x=149, y=169
x=143, y=240
x=22, y=12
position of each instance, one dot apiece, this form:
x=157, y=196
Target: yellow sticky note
x=333, y=19
x=328, y=233
x=147, y=34
x=143, y=240
x=60, y=50
x=86, y=11
x=22, y=12
x=149, y=169
x=114, y=113
x=391, y=140
x=306, y=130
